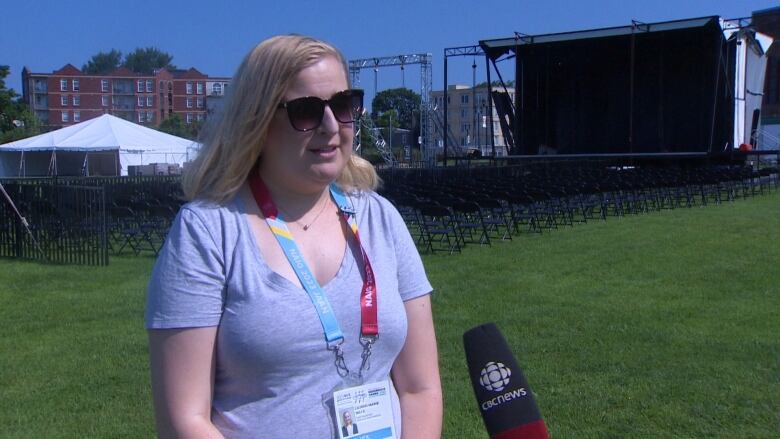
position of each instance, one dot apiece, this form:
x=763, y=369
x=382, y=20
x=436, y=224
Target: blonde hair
x=233, y=141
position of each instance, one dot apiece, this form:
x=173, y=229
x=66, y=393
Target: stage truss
x=427, y=145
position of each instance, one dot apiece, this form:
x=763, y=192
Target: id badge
x=365, y=411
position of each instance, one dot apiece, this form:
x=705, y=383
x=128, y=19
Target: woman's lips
x=326, y=151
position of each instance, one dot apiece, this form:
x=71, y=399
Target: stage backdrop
x=646, y=88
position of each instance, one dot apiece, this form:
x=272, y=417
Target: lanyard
x=334, y=338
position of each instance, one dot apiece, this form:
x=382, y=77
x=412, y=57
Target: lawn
x=661, y=326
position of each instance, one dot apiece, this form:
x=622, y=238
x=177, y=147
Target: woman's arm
x=182, y=363
x=416, y=374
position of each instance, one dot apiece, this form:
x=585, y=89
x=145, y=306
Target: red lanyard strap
x=369, y=324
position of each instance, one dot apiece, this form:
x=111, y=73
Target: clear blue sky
x=213, y=36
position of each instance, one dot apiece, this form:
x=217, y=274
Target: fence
x=66, y=223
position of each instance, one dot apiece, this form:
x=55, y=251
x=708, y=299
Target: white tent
x=105, y=145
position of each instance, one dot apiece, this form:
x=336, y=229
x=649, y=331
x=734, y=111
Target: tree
x=175, y=125
x=16, y=119
x=496, y=83
x=387, y=119
x=404, y=101
x=103, y=62
x=147, y=60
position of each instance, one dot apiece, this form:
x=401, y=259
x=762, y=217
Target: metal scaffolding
x=465, y=51
x=426, y=84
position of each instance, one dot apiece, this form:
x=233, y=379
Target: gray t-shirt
x=272, y=366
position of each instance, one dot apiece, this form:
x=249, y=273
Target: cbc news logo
x=495, y=376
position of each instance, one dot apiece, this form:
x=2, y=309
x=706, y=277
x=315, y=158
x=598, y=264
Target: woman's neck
x=294, y=202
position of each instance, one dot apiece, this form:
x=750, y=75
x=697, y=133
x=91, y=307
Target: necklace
x=305, y=227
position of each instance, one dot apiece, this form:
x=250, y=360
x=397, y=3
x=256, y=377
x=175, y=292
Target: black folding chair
x=440, y=230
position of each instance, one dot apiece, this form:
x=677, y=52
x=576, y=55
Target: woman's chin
x=327, y=172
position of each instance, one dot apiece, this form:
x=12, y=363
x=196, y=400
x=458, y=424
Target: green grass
x=664, y=325
x=73, y=351
x=660, y=326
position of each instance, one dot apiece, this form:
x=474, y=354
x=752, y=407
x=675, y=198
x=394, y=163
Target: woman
x=238, y=342
x=348, y=427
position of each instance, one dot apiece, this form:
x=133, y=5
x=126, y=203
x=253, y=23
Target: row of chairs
x=139, y=218
x=488, y=205
x=493, y=206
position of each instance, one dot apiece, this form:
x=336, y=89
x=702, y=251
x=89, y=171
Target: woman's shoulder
x=210, y=212
x=370, y=200
x=377, y=210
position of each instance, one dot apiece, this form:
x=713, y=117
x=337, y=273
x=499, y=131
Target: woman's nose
x=329, y=123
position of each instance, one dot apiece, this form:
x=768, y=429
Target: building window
x=65, y=116
x=104, y=85
x=141, y=101
x=464, y=112
x=464, y=99
x=199, y=102
x=76, y=102
x=189, y=117
x=104, y=100
x=149, y=86
x=150, y=116
x=189, y=102
x=141, y=117
x=140, y=87
x=150, y=101
x=189, y=88
x=216, y=88
x=64, y=100
x=200, y=117
x=77, y=116
x=63, y=85
x=76, y=85
x=200, y=88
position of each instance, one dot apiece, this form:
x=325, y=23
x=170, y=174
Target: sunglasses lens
x=305, y=113
x=346, y=105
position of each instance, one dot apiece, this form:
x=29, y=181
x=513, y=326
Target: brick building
x=68, y=95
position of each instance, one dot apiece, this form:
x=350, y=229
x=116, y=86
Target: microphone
x=504, y=398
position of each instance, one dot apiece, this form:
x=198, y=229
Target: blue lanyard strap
x=316, y=294
x=334, y=337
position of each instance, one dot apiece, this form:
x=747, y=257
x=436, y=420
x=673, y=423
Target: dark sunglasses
x=306, y=113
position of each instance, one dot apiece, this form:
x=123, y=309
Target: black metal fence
x=82, y=220
x=62, y=223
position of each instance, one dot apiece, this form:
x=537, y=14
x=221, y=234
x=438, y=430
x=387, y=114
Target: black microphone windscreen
x=503, y=395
